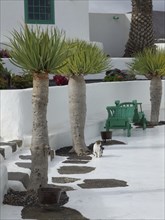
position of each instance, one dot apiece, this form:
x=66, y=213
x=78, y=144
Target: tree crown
x=149, y=63
x=38, y=51
x=86, y=58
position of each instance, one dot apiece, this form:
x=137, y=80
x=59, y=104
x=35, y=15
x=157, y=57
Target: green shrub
x=1, y=66
x=22, y=82
x=3, y=83
x=118, y=75
x=4, y=53
x=4, y=76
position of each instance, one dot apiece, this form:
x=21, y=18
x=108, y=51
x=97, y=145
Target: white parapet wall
x=3, y=179
x=120, y=63
x=16, y=109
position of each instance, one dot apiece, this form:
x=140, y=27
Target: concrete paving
x=140, y=163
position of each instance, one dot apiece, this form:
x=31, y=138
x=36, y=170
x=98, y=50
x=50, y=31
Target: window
x=39, y=11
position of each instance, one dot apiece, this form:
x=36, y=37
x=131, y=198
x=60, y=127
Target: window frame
x=38, y=21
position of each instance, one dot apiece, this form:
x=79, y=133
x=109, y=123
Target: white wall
x=112, y=33
x=3, y=179
x=120, y=63
x=71, y=16
x=119, y=6
x=16, y=108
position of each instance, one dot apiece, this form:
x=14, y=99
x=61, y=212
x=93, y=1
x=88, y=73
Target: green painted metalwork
x=123, y=115
x=39, y=11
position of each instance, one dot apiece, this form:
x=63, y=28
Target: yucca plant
x=39, y=52
x=86, y=58
x=151, y=63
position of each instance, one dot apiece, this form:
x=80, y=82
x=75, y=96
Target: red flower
x=60, y=80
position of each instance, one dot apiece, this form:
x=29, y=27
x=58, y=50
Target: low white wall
x=120, y=63
x=16, y=107
x=3, y=179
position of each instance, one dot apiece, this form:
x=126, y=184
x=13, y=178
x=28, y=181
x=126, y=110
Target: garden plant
x=118, y=75
x=38, y=52
x=87, y=58
x=4, y=53
x=151, y=63
x=5, y=76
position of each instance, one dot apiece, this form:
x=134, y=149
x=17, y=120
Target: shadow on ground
x=60, y=213
x=29, y=199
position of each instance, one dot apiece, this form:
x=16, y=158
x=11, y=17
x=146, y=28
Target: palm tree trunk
x=40, y=144
x=155, y=95
x=141, y=28
x=77, y=111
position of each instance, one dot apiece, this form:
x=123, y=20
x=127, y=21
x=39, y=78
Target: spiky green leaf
x=86, y=58
x=149, y=63
x=38, y=50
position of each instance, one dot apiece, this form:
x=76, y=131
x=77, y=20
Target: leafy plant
x=84, y=59
x=5, y=76
x=1, y=65
x=151, y=63
x=39, y=52
x=22, y=82
x=3, y=83
x=4, y=53
x=60, y=80
x=35, y=50
x=118, y=75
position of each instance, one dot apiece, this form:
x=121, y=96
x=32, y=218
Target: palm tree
x=87, y=58
x=151, y=63
x=141, y=29
x=40, y=53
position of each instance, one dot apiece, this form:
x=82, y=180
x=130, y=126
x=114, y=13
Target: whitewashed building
x=69, y=15
x=109, y=23
x=105, y=21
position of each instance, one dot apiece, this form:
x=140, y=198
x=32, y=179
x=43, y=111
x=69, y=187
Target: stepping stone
x=2, y=152
x=67, y=151
x=18, y=176
x=112, y=142
x=74, y=156
x=6, y=151
x=36, y=212
x=24, y=165
x=9, y=147
x=102, y=183
x=75, y=169
x=65, y=188
x=62, y=187
x=25, y=157
x=76, y=161
x=18, y=142
x=64, y=179
x=13, y=145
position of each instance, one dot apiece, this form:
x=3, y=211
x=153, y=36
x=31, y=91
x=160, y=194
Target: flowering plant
x=118, y=75
x=60, y=80
x=4, y=54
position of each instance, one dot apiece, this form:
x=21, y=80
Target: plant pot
x=106, y=135
x=49, y=195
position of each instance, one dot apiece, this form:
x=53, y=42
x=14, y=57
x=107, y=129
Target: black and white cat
x=97, y=149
